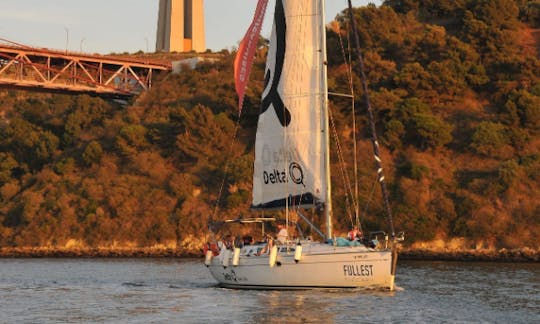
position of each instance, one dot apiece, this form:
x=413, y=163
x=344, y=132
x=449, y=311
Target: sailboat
x=292, y=172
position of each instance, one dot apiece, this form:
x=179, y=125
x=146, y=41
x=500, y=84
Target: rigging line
x=351, y=85
x=370, y=197
x=226, y=168
x=344, y=174
x=353, y=107
x=374, y=140
x=347, y=59
x=336, y=94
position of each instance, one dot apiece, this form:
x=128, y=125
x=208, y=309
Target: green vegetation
x=455, y=85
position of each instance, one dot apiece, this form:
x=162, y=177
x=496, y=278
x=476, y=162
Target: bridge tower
x=180, y=26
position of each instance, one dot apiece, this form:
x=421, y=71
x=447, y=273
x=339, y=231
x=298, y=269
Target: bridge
x=68, y=72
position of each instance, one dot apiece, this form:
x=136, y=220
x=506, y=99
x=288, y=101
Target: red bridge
x=52, y=70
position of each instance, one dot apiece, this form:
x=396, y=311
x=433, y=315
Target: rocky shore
x=40, y=252
x=502, y=255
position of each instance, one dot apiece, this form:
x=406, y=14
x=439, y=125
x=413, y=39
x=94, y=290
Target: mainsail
x=289, y=149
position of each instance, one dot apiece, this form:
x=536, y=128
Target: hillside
x=456, y=88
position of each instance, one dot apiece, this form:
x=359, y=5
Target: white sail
x=289, y=149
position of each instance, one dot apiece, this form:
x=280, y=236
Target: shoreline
x=503, y=255
x=95, y=253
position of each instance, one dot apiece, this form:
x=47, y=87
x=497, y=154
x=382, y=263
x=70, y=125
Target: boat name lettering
x=358, y=270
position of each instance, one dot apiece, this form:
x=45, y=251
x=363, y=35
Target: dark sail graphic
x=273, y=98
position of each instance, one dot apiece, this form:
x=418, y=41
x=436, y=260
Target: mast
x=325, y=122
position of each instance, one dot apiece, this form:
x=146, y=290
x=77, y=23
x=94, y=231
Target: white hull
x=320, y=266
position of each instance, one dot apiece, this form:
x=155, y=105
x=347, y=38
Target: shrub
x=131, y=138
x=413, y=170
x=528, y=106
x=7, y=164
x=46, y=147
x=507, y=173
x=64, y=166
x=489, y=138
x=92, y=153
x=430, y=132
x=393, y=134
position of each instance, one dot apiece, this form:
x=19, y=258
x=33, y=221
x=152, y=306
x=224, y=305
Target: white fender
x=273, y=256
x=236, y=257
x=298, y=253
x=226, y=256
x=208, y=257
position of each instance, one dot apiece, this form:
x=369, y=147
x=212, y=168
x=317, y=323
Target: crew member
x=355, y=234
x=282, y=235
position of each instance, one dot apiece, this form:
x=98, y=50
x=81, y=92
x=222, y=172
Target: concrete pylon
x=180, y=26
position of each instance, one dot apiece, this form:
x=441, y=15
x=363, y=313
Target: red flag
x=246, y=51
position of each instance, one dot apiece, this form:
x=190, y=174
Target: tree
x=28, y=143
x=393, y=135
x=507, y=173
x=429, y=131
x=531, y=13
x=92, y=153
x=45, y=148
x=85, y=111
x=7, y=164
x=414, y=79
x=489, y=138
x=131, y=138
x=202, y=134
x=402, y=6
x=501, y=14
x=526, y=106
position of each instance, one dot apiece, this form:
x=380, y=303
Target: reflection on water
x=291, y=307
x=165, y=290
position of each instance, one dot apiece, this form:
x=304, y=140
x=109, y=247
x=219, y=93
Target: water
x=182, y=291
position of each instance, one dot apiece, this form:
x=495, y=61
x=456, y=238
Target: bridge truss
x=50, y=70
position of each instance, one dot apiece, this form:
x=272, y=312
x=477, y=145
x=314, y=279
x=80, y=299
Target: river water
x=182, y=291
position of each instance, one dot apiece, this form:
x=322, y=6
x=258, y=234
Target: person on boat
x=226, y=243
x=282, y=235
x=266, y=249
x=238, y=242
x=248, y=240
x=211, y=246
x=355, y=234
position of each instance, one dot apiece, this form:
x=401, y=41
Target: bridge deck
x=45, y=69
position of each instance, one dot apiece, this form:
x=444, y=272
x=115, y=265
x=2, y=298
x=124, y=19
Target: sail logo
x=295, y=174
x=273, y=96
x=278, y=157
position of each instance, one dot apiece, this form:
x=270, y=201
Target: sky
x=118, y=26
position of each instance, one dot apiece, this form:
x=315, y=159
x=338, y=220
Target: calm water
x=182, y=291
